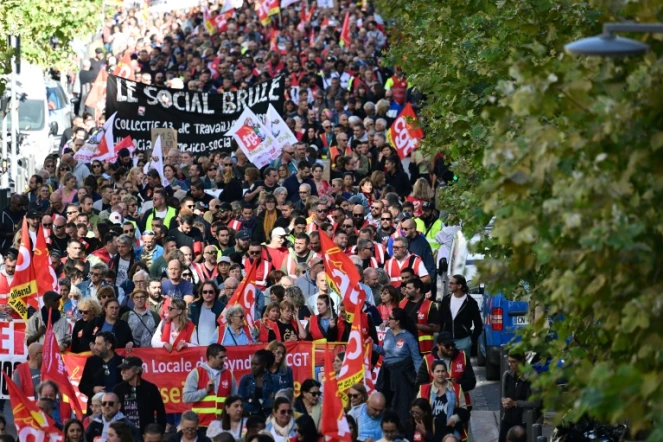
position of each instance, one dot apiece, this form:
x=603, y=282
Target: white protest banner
x=254, y=139
x=286, y=3
x=280, y=131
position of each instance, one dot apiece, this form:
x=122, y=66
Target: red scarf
x=185, y=333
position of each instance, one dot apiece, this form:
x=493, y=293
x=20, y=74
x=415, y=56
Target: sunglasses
x=55, y=226
x=314, y=393
x=71, y=213
x=357, y=215
x=171, y=308
x=107, y=373
x=84, y=312
x=129, y=231
x=209, y=292
x=385, y=219
x=353, y=395
x=254, y=253
x=108, y=404
x=284, y=412
x=96, y=165
x=47, y=225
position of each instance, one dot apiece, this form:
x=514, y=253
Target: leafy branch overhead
x=566, y=154
x=38, y=22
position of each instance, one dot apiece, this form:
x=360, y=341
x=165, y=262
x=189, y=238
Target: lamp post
x=609, y=45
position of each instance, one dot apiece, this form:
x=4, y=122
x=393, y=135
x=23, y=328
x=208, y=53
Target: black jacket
x=150, y=404
x=177, y=437
x=519, y=389
x=94, y=375
x=467, y=315
x=121, y=331
x=80, y=340
x=400, y=181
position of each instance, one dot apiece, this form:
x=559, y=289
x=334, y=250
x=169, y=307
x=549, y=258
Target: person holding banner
x=176, y=332
x=281, y=373
x=235, y=331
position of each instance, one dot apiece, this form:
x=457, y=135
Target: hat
x=429, y=205
x=115, y=218
x=124, y=152
x=445, y=338
x=214, y=429
x=226, y=206
x=131, y=362
x=242, y=234
x=51, y=296
x=279, y=231
x=223, y=259
x=55, y=253
x=201, y=206
x=33, y=214
x=312, y=65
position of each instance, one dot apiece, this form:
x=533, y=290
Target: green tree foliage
x=37, y=21
x=567, y=154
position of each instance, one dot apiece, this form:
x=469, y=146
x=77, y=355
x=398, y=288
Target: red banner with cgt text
x=169, y=370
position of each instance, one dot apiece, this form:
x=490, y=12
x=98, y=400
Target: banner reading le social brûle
x=201, y=120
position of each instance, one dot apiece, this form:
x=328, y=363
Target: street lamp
x=609, y=45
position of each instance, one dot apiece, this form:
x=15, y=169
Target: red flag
x=352, y=370
x=245, y=295
x=53, y=368
x=345, y=31
x=262, y=9
x=403, y=135
x=124, y=142
x=23, y=289
x=333, y=423
x=97, y=96
x=46, y=277
x=123, y=68
x=342, y=276
x=311, y=37
x=325, y=22
x=303, y=16
x=273, y=7
x=31, y=423
x=220, y=21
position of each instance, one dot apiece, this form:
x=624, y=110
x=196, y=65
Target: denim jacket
x=247, y=390
x=283, y=378
x=399, y=347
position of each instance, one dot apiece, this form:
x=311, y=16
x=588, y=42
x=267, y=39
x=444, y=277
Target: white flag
x=156, y=162
x=279, y=130
x=254, y=139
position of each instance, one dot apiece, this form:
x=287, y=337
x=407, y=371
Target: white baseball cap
x=115, y=218
x=279, y=231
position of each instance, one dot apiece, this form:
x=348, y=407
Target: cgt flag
x=54, y=369
x=403, y=135
x=31, y=423
x=23, y=289
x=352, y=370
x=245, y=295
x=46, y=277
x=333, y=423
x=345, y=31
x=342, y=276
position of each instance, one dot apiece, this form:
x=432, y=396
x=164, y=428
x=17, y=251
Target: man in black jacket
x=102, y=369
x=140, y=400
x=459, y=312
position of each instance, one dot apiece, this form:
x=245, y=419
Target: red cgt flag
x=333, y=423
x=53, y=368
x=352, y=370
x=245, y=295
x=123, y=68
x=342, y=276
x=46, y=277
x=23, y=289
x=345, y=31
x=31, y=423
x=403, y=134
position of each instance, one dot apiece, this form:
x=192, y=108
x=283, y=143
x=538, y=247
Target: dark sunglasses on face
x=314, y=393
x=108, y=403
x=284, y=412
x=47, y=225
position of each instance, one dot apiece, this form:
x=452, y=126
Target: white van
x=33, y=115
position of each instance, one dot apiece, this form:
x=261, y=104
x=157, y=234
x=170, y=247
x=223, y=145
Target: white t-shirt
x=455, y=304
x=206, y=324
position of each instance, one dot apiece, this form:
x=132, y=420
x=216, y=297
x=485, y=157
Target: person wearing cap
x=257, y=256
x=236, y=253
x=140, y=400
x=36, y=326
x=223, y=269
x=430, y=224
x=276, y=251
x=459, y=366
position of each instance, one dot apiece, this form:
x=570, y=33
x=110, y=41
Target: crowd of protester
x=148, y=264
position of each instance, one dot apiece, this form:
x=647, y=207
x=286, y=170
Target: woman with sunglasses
x=308, y=402
x=358, y=396
x=257, y=387
x=176, y=331
x=281, y=425
x=282, y=375
x=88, y=309
x=401, y=359
x=96, y=169
x=447, y=405
x=235, y=331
